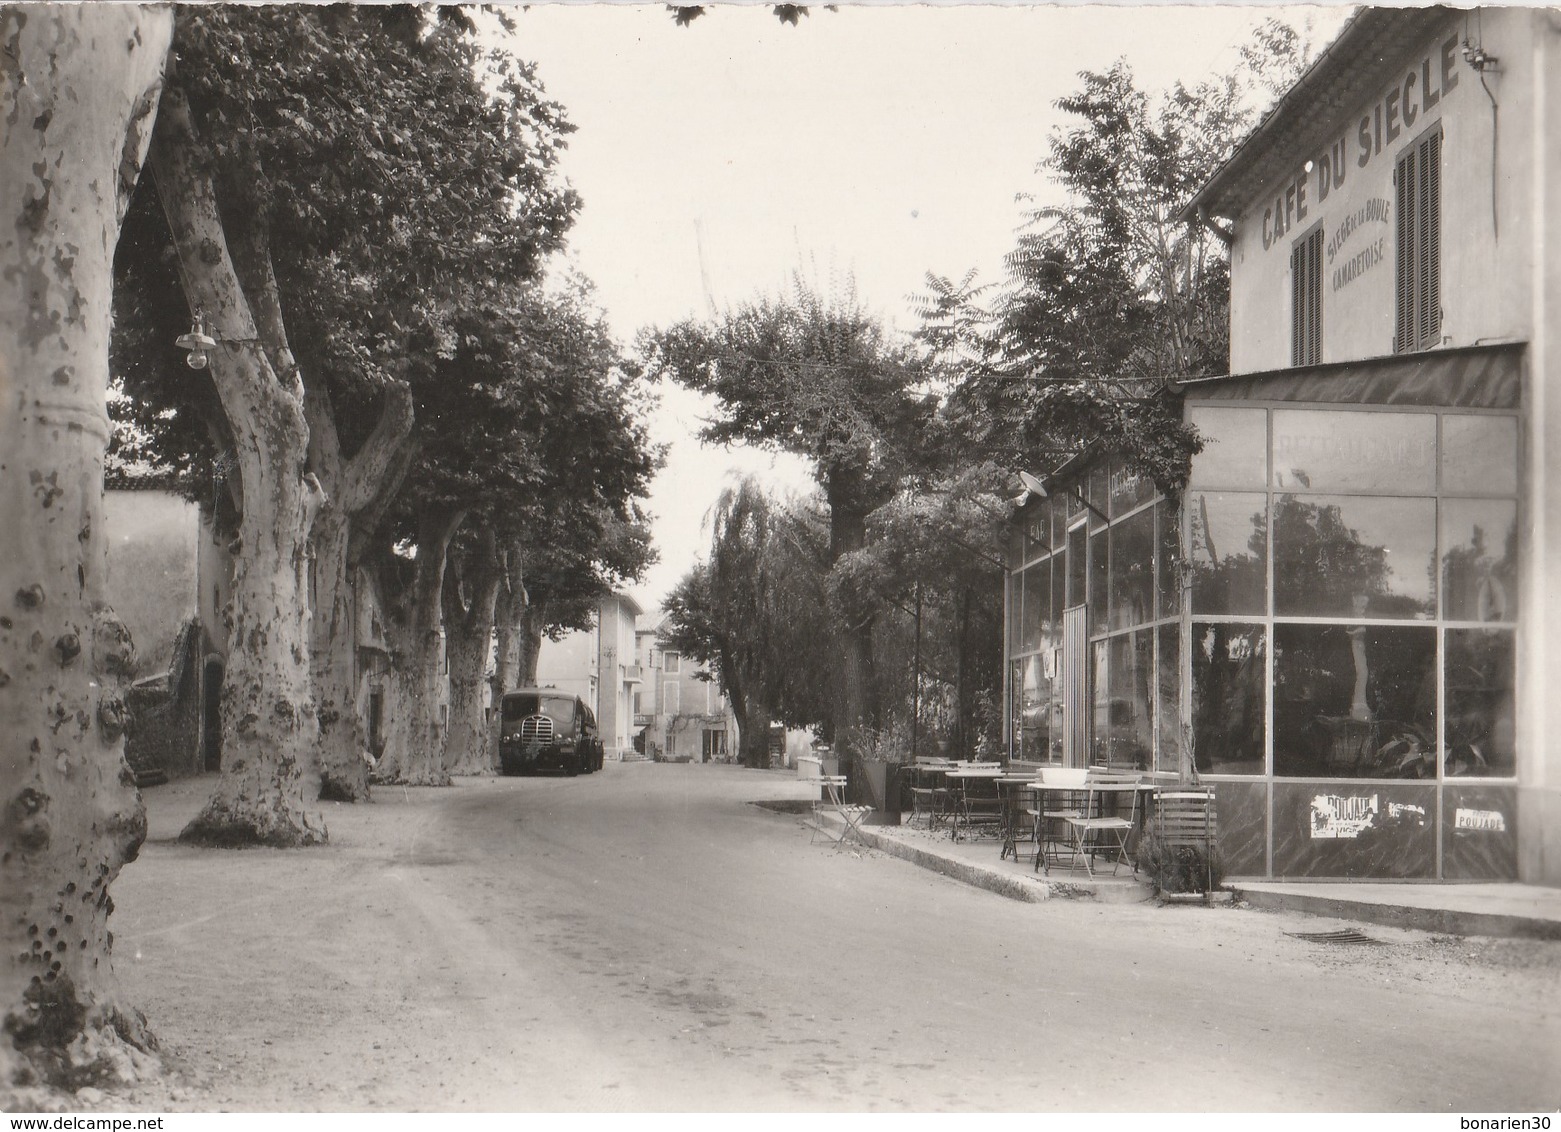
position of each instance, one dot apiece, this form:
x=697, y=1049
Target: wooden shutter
x=1298, y=304
x=1404, y=253
x=1314, y=298
x=1429, y=273
x=1306, y=300
x=1418, y=255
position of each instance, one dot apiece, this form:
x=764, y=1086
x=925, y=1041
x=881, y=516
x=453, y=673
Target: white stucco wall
x=1486, y=259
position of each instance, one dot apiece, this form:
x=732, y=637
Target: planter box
x=879, y=787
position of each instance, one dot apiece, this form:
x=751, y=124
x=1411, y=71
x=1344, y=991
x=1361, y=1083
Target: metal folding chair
x=831, y=800
x=1064, y=799
x=929, y=801
x=1021, y=817
x=1097, y=833
x=1187, y=818
x=977, y=805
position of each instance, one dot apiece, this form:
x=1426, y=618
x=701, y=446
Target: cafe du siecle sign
x=1401, y=110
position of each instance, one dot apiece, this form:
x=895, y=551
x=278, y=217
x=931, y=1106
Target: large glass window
x=1481, y=711
x=1479, y=559
x=1328, y=450
x=1015, y=611
x=1059, y=590
x=1479, y=455
x=1132, y=570
x=1235, y=447
x=1124, y=733
x=1229, y=552
x=1099, y=494
x=1128, y=490
x=1168, y=696
x=1354, y=556
x=1354, y=701
x=1037, y=598
x=1229, y=697
x=1078, y=565
x=1035, y=707
x=1099, y=580
x=1168, y=584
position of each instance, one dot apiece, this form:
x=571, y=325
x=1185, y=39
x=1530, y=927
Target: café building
x=1345, y=624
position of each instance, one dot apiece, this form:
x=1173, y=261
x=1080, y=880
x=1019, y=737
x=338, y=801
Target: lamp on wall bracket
x=1032, y=485
x=197, y=342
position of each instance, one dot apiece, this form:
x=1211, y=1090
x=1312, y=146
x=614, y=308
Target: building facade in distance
x=684, y=716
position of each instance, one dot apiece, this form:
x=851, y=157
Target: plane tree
x=573, y=535
x=814, y=374
x=539, y=437
x=80, y=85
x=326, y=228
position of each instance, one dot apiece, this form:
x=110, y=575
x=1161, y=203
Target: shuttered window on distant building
x=1306, y=299
x=1417, y=180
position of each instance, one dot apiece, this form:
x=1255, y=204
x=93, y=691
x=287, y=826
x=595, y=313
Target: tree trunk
x=344, y=771
x=856, y=706
x=509, y=606
x=468, y=627
x=508, y=603
x=532, y=620
x=355, y=490
x=414, y=750
x=754, y=743
x=270, y=776
x=81, y=84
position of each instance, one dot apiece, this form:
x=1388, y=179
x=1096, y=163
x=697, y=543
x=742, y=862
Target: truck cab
x=548, y=729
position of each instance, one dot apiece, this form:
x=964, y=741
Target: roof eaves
x=1341, y=75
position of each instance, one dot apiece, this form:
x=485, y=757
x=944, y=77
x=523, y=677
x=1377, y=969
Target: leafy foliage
x=387, y=167
x=752, y=614
x=1110, y=298
x=808, y=372
x=814, y=374
x=534, y=427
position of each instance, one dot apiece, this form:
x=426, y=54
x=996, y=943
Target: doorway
x=211, y=715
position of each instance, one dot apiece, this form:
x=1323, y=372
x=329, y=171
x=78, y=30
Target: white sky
x=881, y=141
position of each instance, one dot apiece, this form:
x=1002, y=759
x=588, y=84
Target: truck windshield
x=560, y=709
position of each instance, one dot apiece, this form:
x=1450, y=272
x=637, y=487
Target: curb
x=1015, y=888
x=1002, y=884
x=1444, y=920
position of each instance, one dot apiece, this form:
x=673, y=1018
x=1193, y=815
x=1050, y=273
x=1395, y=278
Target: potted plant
x=878, y=756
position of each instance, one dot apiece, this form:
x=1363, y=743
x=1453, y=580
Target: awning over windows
x=1475, y=377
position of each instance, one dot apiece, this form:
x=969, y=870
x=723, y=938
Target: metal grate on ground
x=1345, y=935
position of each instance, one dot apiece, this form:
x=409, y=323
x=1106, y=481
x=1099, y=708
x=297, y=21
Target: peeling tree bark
x=509, y=603
x=79, y=88
x=356, y=492
x=414, y=744
x=270, y=776
x=468, y=627
x=532, y=620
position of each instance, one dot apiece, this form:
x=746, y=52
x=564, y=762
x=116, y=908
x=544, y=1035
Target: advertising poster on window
x=1337, y=816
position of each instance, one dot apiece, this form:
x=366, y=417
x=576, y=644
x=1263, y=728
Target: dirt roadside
x=400, y=969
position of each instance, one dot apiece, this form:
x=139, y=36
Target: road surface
x=646, y=939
